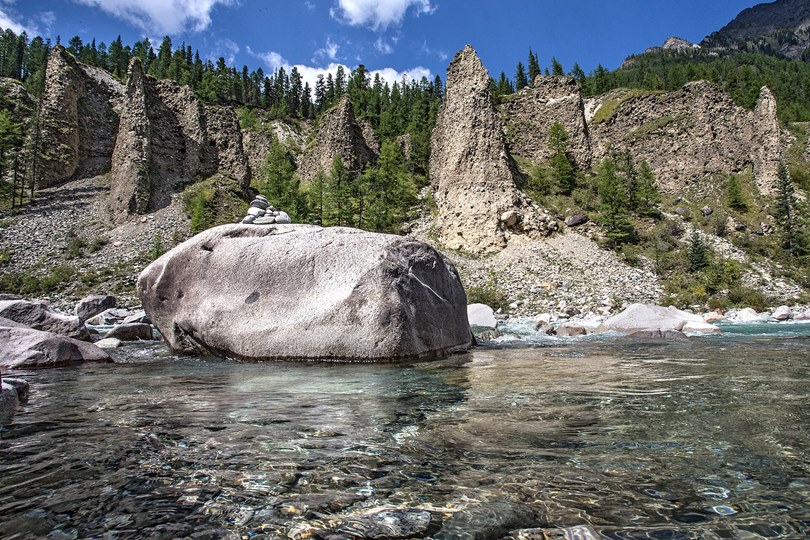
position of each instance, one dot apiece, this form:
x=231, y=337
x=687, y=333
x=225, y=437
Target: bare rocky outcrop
x=16, y=100
x=78, y=120
x=257, y=141
x=474, y=180
x=529, y=115
x=339, y=135
x=167, y=139
x=689, y=134
x=766, y=143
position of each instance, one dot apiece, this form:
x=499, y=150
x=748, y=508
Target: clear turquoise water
x=706, y=439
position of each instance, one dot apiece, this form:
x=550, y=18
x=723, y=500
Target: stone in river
x=40, y=316
x=90, y=306
x=648, y=317
x=481, y=315
x=26, y=348
x=340, y=294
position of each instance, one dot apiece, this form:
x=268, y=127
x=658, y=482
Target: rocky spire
x=78, y=121
x=767, y=147
x=470, y=170
x=130, y=178
x=339, y=134
x=167, y=139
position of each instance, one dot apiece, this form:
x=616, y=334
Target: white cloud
x=309, y=74
x=226, y=49
x=378, y=14
x=161, y=16
x=383, y=47
x=7, y=22
x=328, y=51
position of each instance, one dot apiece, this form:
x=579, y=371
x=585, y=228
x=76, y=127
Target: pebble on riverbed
x=261, y=212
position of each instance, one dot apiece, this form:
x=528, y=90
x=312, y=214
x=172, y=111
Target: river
x=588, y=438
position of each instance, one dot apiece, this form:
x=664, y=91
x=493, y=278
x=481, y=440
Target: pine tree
x=734, y=195
x=520, y=77
x=613, y=211
x=336, y=203
x=556, y=68
x=698, y=255
x=279, y=184
x=561, y=168
x=648, y=196
x=786, y=215
x=534, y=67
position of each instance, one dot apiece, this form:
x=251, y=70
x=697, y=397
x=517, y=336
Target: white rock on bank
x=481, y=315
x=782, y=313
x=648, y=317
x=699, y=327
x=745, y=315
x=108, y=343
x=713, y=316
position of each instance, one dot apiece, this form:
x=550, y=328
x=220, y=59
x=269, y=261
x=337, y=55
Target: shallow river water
x=580, y=438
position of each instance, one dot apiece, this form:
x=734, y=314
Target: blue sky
x=415, y=37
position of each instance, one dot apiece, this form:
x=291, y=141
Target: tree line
x=740, y=74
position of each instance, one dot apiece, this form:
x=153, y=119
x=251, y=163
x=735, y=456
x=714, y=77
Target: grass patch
x=660, y=123
x=215, y=201
x=611, y=105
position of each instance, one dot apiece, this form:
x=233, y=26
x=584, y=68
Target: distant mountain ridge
x=780, y=28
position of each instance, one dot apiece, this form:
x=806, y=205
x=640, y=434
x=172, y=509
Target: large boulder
x=651, y=318
x=26, y=348
x=40, y=316
x=293, y=292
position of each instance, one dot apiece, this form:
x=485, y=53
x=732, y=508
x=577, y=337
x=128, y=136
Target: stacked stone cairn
x=261, y=212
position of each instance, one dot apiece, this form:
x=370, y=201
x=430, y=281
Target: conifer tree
x=648, y=196
x=734, y=195
x=786, y=214
x=520, y=77
x=279, y=184
x=561, y=168
x=614, y=214
x=534, y=67
x=556, y=68
x=697, y=254
x=336, y=196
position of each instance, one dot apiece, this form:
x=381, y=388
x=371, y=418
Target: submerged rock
x=8, y=402
x=487, y=520
x=131, y=332
x=309, y=293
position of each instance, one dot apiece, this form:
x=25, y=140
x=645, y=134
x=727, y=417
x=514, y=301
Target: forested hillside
x=740, y=74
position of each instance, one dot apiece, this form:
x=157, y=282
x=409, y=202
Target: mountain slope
x=781, y=28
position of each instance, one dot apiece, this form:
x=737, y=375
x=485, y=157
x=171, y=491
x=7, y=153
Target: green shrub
x=488, y=294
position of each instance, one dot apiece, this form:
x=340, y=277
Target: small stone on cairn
x=261, y=212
